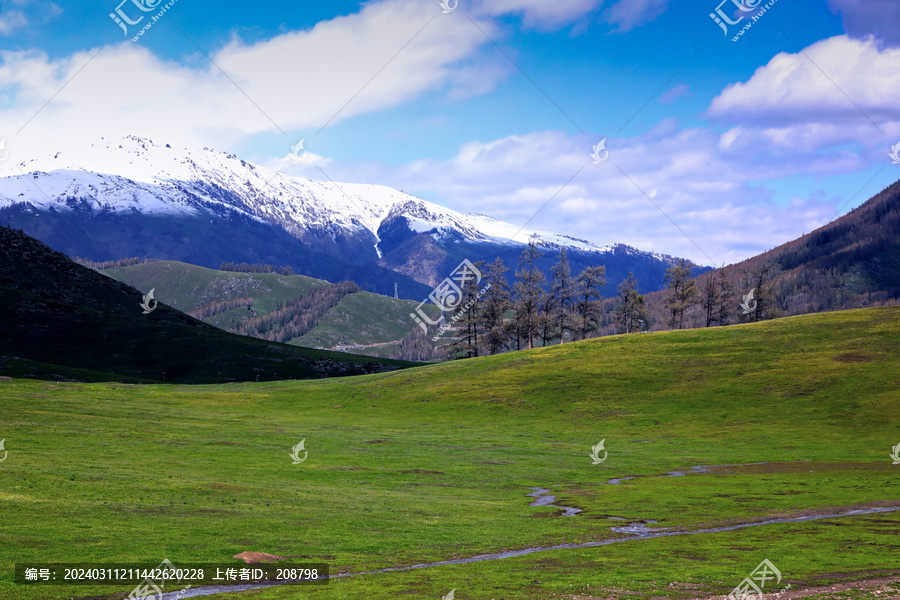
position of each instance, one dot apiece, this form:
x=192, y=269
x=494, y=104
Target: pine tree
x=631, y=307
x=495, y=302
x=562, y=290
x=467, y=320
x=529, y=292
x=588, y=286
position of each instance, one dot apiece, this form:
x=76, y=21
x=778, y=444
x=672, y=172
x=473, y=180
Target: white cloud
x=787, y=120
x=16, y=15
x=673, y=93
x=834, y=80
x=298, y=80
x=718, y=186
x=540, y=14
x=628, y=14
x=709, y=188
x=12, y=21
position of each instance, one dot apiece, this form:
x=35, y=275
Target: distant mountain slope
x=134, y=197
x=365, y=323
x=852, y=262
x=189, y=288
x=360, y=322
x=65, y=321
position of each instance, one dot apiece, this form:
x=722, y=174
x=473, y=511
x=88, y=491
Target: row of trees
x=535, y=311
x=255, y=268
x=715, y=294
x=112, y=264
x=298, y=316
x=211, y=310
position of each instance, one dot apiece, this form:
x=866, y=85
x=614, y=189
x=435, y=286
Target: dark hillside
x=64, y=321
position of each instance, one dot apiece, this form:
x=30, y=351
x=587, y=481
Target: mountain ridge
x=205, y=207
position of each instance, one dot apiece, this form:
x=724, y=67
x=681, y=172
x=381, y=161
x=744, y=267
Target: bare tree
x=726, y=298
x=757, y=279
x=710, y=298
x=684, y=293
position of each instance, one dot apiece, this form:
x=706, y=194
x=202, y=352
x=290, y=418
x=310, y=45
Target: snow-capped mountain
x=206, y=206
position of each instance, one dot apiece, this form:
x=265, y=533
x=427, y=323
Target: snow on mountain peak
x=135, y=173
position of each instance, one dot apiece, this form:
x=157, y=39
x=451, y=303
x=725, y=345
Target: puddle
x=698, y=469
x=544, y=498
x=639, y=528
x=221, y=589
x=618, y=481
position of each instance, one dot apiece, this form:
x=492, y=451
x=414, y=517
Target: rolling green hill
x=363, y=322
x=360, y=322
x=792, y=417
x=64, y=321
x=188, y=287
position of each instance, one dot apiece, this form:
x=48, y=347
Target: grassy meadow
x=435, y=462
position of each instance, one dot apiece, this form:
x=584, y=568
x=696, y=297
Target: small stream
x=637, y=534
x=635, y=531
x=545, y=499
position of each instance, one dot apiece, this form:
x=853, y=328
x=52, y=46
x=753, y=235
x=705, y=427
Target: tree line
x=211, y=310
x=540, y=311
x=295, y=318
x=255, y=268
x=534, y=310
x=112, y=264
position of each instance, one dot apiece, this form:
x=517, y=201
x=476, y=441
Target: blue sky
x=718, y=149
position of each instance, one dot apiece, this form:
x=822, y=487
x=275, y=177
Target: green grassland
x=433, y=463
